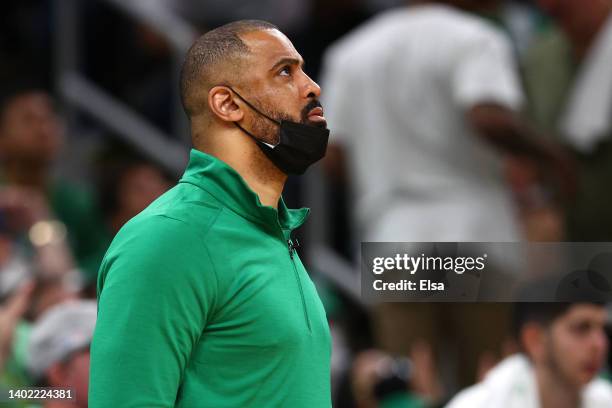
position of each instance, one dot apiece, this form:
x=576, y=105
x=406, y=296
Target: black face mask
x=298, y=145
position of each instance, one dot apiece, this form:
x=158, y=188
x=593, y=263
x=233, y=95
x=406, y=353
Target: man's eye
x=285, y=71
x=581, y=328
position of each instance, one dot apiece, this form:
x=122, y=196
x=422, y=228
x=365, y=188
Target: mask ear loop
x=250, y=105
x=258, y=111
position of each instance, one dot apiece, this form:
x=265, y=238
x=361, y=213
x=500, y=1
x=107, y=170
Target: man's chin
x=588, y=373
x=316, y=123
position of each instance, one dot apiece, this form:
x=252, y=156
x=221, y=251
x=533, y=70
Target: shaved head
x=215, y=58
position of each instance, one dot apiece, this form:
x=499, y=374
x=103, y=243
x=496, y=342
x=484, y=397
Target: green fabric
x=548, y=71
x=332, y=302
x=401, y=400
x=14, y=375
x=16, y=365
x=201, y=304
x=87, y=234
x=589, y=217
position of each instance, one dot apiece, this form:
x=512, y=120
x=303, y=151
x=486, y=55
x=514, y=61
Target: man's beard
x=267, y=131
x=553, y=363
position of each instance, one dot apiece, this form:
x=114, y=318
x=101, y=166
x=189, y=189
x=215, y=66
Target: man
x=203, y=300
x=58, y=351
x=564, y=347
x=127, y=187
x=421, y=98
x=570, y=88
x=424, y=102
x=31, y=139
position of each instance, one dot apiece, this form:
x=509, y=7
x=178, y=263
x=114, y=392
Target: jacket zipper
x=292, y=250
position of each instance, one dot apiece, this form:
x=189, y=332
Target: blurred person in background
x=31, y=139
x=569, y=84
x=32, y=280
x=13, y=341
x=127, y=186
x=37, y=267
x=380, y=380
x=420, y=125
x=11, y=311
x=564, y=347
x=30, y=284
x=424, y=103
x=58, y=350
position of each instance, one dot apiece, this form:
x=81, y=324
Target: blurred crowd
x=455, y=120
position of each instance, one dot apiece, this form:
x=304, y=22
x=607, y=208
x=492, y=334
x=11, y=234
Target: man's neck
x=267, y=184
x=260, y=174
x=554, y=392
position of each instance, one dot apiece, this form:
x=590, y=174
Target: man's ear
x=222, y=105
x=533, y=340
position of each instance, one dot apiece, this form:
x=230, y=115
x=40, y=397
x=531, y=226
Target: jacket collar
x=229, y=188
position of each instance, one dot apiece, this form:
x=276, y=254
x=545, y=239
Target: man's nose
x=600, y=341
x=311, y=88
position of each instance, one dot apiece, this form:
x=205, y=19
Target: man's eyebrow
x=288, y=61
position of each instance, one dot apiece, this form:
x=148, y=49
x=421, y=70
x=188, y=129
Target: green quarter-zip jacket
x=203, y=302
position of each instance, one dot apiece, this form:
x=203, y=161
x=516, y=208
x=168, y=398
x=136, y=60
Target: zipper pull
x=291, y=248
x=293, y=245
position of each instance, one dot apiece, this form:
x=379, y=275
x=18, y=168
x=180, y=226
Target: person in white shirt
x=578, y=102
x=564, y=348
x=421, y=100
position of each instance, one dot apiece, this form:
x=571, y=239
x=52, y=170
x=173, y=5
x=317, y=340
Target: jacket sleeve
x=157, y=288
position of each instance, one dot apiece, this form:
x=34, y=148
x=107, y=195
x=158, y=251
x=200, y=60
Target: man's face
x=277, y=85
x=576, y=344
x=73, y=374
x=30, y=130
x=78, y=376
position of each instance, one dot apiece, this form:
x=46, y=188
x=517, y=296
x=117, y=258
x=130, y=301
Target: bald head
x=213, y=59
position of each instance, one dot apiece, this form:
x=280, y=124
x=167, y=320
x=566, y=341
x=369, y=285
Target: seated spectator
x=59, y=350
x=13, y=336
x=32, y=280
x=379, y=380
x=564, y=348
x=128, y=186
x=31, y=138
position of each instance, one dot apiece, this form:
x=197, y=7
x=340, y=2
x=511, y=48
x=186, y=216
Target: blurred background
x=92, y=131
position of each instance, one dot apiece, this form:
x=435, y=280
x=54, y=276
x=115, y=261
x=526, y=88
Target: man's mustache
x=315, y=103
